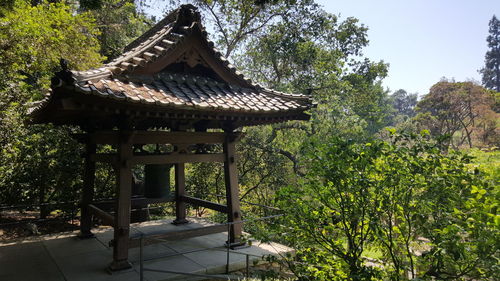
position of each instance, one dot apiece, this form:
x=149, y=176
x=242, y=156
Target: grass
x=487, y=161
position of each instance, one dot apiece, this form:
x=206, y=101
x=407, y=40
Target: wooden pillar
x=87, y=192
x=232, y=189
x=122, y=206
x=180, y=190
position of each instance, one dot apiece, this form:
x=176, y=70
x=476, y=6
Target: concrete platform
x=65, y=257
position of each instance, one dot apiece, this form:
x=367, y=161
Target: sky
x=423, y=40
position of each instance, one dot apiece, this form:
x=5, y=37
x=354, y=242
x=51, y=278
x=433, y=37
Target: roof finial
x=64, y=64
x=188, y=14
x=64, y=75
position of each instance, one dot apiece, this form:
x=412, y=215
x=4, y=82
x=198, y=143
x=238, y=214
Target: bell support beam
x=160, y=159
x=232, y=189
x=104, y=158
x=123, y=204
x=146, y=137
x=177, y=158
x=180, y=191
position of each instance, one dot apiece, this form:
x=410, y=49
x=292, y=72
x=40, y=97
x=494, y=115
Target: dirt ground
x=17, y=225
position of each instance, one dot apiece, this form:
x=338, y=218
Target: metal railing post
x=142, y=269
x=141, y=258
x=248, y=265
x=228, y=246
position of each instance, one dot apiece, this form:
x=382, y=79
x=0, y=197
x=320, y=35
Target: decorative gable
x=171, y=74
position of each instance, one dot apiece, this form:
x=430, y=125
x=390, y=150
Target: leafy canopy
x=38, y=163
x=404, y=204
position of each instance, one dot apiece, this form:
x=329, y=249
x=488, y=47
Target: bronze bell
x=157, y=180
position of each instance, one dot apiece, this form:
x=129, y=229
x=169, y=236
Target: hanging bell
x=157, y=180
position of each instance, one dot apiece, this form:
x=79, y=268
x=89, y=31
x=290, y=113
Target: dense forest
x=378, y=185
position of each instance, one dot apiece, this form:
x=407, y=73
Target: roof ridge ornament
x=187, y=15
x=65, y=75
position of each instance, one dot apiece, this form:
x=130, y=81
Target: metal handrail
x=228, y=251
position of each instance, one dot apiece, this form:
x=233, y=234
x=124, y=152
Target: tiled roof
x=126, y=79
x=186, y=92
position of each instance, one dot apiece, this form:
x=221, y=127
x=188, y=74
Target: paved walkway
x=65, y=257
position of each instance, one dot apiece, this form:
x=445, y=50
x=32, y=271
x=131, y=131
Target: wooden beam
x=106, y=218
x=232, y=188
x=122, y=208
x=144, y=200
x=177, y=137
x=149, y=137
x=176, y=158
x=110, y=158
x=81, y=138
x=178, y=235
x=204, y=203
x=180, y=191
x=134, y=201
x=105, y=137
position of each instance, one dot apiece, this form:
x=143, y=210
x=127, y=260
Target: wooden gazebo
x=169, y=87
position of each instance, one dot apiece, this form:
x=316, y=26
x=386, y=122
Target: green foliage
x=402, y=203
x=206, y=181
x=38, y=163
x=34, y=38
x=391, y=196
x=330, y=209
x=235, y=22
x=404, y=107
x=367, y=98
x=118, y=22
x=308, y=52
x=488, y=161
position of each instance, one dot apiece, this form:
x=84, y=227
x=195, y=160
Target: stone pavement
x=65, y=257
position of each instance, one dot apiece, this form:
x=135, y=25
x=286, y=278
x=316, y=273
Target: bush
x=427, y=212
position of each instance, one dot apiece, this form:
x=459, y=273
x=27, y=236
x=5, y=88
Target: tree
x=462, y=111
x=367, y=98
x=232, y=23
x=38, y=163
x=31, y=48
x=427, y=214
x=297, y=47
x=491, y=70
x=404, y=103
x=328, y=213
x=402, y=111
x=118, y=21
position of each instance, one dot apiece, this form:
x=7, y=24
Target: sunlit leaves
x=34, y=38
x=39, y=163
x=428, y=213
